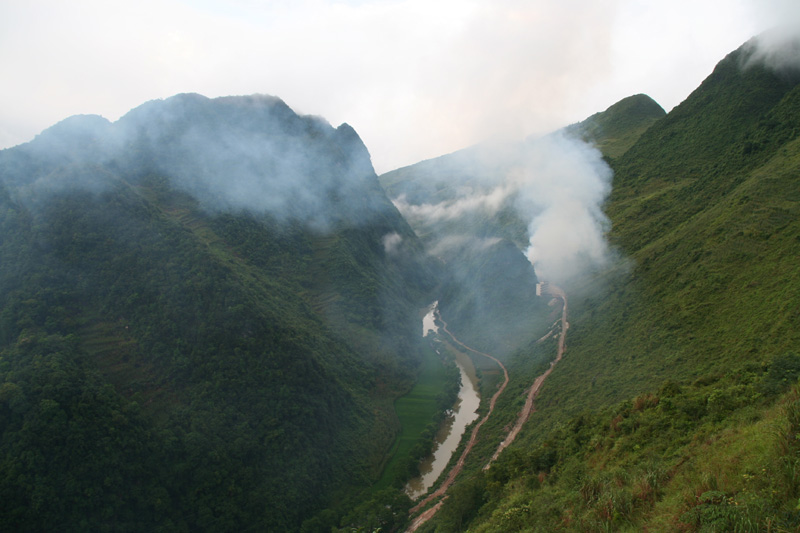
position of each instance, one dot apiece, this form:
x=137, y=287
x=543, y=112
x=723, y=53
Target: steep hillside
x=208, y=308
x=670, y=411
x=618, y=128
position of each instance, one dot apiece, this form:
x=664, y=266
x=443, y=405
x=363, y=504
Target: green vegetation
x=618, y=128
x=174, y=356
x=384, y=505
x=490, y=298
x=420, y=412
x=716, y=454
x=169, y=364
x=670, y=411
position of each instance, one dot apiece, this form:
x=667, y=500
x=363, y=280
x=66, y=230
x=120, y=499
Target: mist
x=553, y=187
x=468, y=202
x=777, y=49
x=236, y=154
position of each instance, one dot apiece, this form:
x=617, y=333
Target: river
x=463, y=413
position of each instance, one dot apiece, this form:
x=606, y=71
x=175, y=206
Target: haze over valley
x=217, y=316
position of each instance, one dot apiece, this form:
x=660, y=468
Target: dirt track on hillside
x=533, y=392
x=456, y=469
x=524, y=414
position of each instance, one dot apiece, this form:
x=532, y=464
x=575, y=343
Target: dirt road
x=456, y=469
x=524, y=414
x=528, y=408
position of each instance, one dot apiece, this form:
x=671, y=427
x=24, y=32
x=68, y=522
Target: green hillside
x=209, y=308
x=618, y=128
x=203, y=324
x=675, y=408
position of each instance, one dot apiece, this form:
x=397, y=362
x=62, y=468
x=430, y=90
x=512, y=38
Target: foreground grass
x=720, y=453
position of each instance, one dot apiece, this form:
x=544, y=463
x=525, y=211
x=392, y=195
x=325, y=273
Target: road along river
x=533, y=392
x=463, y=413
x=451, y=476
x=557, y=293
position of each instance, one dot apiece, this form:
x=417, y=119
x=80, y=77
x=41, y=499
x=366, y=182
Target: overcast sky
x=415, y=78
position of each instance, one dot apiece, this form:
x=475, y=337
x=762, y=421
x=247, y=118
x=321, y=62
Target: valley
x=210, y=321
x=459, y=416
x=657, y=418
x=550, y=290
x=459, y=465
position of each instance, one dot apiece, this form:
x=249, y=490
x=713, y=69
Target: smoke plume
x=544, y=194
x=562, y=187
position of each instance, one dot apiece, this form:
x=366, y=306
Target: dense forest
x=181, y=352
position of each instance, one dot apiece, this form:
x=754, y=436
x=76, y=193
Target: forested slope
x=618, y=128
x=208, y=307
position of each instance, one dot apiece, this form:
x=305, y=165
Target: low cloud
x=468, y=202
x=238, y=154
x=460, y=242
x=391, y=242
x=778, y=49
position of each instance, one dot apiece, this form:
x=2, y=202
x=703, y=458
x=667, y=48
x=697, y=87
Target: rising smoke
x=555, y=186
x=562, y=187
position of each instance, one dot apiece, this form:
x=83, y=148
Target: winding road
x=524, y=414
x=456, y=469
x=533, y=392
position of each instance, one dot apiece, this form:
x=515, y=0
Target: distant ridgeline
x=208, y=308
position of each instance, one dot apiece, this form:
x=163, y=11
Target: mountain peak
x=617, y=128
x=76, y=130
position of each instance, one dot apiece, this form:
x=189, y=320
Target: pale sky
x=415, y=78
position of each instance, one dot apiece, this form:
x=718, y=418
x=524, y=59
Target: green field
x=416, y=411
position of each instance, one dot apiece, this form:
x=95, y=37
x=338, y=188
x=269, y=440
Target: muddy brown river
x=463, y=413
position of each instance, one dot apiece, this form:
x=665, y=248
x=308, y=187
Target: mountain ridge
x=254, y=350
x=210, y=305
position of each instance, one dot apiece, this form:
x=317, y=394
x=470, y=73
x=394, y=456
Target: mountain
x=676, y=405
x=618, y=128
x=476, y=205
x=208, y=308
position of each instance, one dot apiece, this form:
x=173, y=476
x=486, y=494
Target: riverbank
x=419, y=411
x=448, y=437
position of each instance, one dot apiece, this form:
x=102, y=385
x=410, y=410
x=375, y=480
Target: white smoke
x=562, y=187
x=555, y=184
x=467, y=202
x=391, y=242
